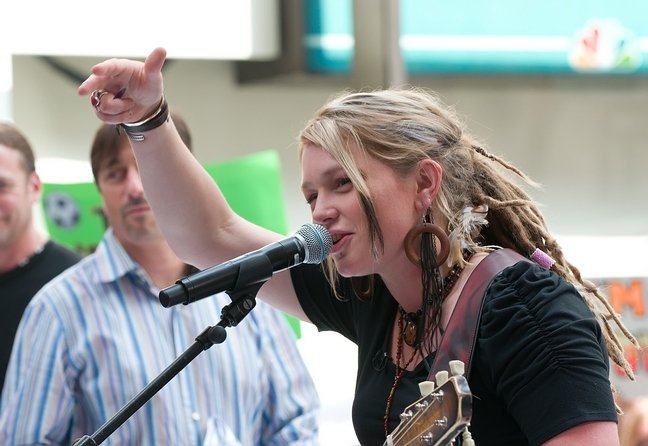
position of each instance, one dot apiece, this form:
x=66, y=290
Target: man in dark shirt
x=28, y=260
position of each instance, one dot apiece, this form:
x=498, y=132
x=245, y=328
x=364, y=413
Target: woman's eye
x=343, y=182
x=311, y=198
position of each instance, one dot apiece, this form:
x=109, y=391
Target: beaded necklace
x=399, y=374
x=410, y=333
x=408, y=326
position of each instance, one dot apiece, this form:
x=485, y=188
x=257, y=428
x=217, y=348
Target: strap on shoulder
x=458, y=341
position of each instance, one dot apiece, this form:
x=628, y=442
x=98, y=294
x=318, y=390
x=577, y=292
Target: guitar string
x=401, y=430
x=450, y=387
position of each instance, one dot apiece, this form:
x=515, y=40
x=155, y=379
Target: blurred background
x=558, y=88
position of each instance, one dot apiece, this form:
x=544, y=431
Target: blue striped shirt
x=96, y=335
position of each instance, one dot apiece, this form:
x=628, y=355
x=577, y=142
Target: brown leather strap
x=458, y=341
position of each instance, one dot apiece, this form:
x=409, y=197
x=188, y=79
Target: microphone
x=310, y=244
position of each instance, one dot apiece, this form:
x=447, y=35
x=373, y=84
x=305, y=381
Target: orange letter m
x=632, y=296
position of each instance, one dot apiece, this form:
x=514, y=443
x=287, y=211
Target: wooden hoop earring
x=412, y=242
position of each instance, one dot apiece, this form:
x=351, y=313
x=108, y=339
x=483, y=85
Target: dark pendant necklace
x=411, y=324
x=412, y=321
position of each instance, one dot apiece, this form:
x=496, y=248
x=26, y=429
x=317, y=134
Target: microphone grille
x=317, y=242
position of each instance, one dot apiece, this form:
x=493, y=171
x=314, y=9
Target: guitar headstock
x=439, y=415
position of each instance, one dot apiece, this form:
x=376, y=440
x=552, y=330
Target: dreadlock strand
x=503, y=163
x=616, y=350
x=611, y=339
x=624, y=330
x=518, y=229
x=616, y=318
x=505, y=229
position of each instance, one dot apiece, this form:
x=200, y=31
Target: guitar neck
x=437, y=418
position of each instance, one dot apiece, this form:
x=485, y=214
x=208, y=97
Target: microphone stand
x=243, y=301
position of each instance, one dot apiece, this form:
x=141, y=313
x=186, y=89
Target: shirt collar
x=113, y=260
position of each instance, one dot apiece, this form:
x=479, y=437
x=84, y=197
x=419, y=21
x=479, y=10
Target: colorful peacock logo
x=605, y=45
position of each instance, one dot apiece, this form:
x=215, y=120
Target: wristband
x=135, y=130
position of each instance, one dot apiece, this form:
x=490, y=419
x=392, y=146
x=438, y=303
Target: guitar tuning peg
x=441, y=377
x=466, y=438
x=426, y=387
x=457, y=367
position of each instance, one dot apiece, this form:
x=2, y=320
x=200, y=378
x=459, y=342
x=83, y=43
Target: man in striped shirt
x=96, y=335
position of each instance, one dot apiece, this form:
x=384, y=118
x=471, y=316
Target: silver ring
x=95, y=98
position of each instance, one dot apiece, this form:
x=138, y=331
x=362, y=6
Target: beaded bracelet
x=134, y=130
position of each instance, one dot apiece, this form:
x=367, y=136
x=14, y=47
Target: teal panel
x=328, y=36
x=514, y=17
x=496, y=36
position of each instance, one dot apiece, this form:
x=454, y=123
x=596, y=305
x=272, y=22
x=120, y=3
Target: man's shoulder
x=63, y=251
x=73, y=271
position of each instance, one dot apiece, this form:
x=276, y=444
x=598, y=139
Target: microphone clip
x=243, y=301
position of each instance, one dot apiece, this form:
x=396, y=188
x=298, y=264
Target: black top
x=540, y=365
x=19, y=285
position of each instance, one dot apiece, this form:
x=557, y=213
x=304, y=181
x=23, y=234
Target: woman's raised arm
x=189, y=207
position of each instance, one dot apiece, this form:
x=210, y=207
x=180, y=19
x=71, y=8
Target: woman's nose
x=324, y=210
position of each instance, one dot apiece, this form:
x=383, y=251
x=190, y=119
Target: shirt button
x=195, y=416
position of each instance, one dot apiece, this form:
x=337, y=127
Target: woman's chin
x=346, y=270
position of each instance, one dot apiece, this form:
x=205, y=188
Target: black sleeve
x=544, y=353
x=323, y=309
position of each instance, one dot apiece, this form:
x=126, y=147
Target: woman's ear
x=428, y=183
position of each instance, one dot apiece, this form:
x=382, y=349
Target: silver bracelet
x=135, y=130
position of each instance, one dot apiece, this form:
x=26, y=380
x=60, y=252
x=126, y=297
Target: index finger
x=106, y=73
x=114, y=74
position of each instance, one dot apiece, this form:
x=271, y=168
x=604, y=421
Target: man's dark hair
x=109, y=138
x=13, y=138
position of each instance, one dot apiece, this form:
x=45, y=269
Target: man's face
x=125, y=206
x=19, y=191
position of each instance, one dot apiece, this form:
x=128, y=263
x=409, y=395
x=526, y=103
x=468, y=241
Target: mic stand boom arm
x=243, y=301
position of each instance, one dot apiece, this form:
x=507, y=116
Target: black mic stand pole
x=243, y=302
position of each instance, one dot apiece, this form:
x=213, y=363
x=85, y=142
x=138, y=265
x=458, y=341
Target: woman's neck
x=405, y=285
